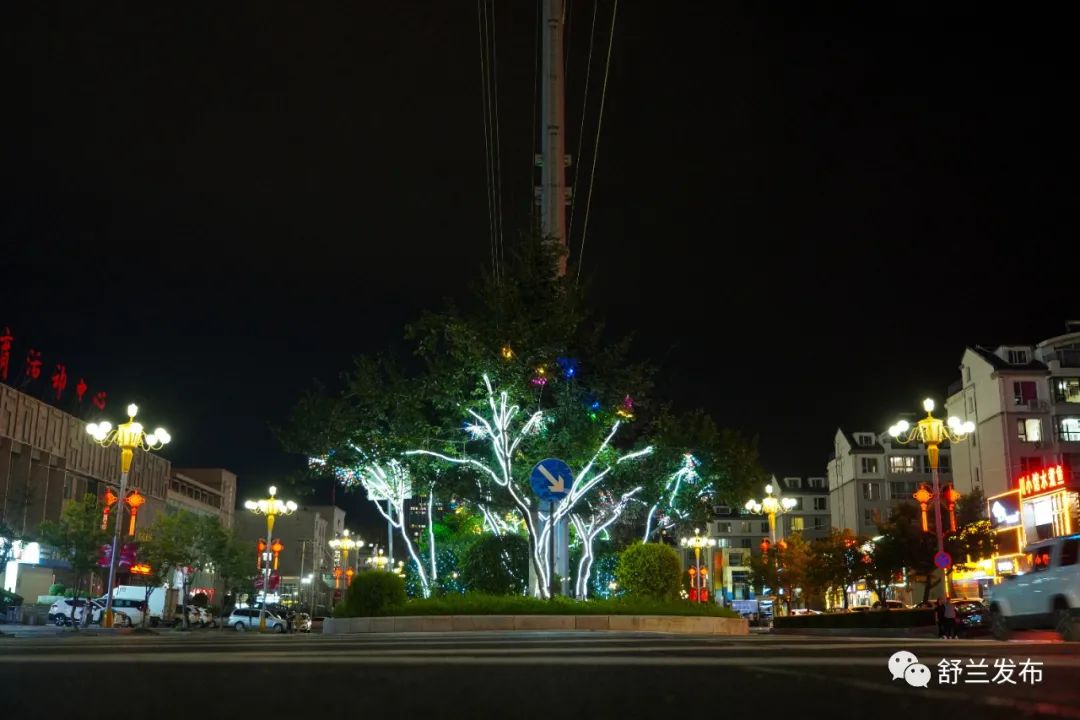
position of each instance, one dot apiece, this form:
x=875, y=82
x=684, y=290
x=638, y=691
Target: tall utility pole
x=552, y=136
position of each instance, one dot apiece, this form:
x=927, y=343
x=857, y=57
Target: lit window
x=1066, y=389
x=797, y=524
x=1017, y=357
x=902, y=463
x=1069, y=429
x=871, y=491
x=1029, y=429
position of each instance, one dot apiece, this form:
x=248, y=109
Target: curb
x=677, y=624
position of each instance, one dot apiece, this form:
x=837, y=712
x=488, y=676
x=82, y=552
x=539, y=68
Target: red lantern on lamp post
x=110, y=500
x=262, y=552
x=135, y=500
x=952, y=496
x=276, y=548
x=923, y=496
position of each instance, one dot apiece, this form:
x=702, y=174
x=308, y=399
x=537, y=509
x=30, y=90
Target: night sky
x=804, y=215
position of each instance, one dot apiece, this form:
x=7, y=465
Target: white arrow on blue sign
x=551, y=480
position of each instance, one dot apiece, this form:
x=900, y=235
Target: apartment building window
x=1068, y=429
x=764, y=526
x=746, y=527
x=1017, y=357
x=869, y=465
x=745, y=543
x=969, y=399
x=943, y=462
x=1029, y=429
x=720, y=527
x=1066, y=389
x=797, y=524
x=817, y=483
x=798, y=504
x=1024, y=392
x=868, y=517
x=902, y=490
x=864, y=439
x=819, y=523
x=820, y=504
x=67, y=487
x=967, y=374
x=902, y=463
x=1028, y=464
x=871, y=491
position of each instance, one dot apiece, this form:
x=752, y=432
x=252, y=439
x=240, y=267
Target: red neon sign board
x=1040, y=482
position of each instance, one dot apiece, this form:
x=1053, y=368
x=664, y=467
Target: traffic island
x=678, y=624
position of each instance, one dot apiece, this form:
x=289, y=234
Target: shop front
x=1042, y=506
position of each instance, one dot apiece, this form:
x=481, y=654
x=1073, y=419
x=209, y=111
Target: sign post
x=552, y=480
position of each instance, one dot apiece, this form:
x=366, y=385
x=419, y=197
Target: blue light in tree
x=569, y=366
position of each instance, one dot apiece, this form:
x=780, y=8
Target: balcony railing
x=1068, y=358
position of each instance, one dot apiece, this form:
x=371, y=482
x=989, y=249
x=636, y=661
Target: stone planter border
x=680, y=624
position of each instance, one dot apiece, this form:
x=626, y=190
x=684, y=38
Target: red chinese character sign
x=59, y=380
x=5, y=353
x=80, y=390
x=1041, y=482
x=33, y=364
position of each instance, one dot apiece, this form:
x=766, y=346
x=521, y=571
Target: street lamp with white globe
x=129, y=437
x=771, y=506
x=271, y=507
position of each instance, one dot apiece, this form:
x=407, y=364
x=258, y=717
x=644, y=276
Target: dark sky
x=805, y=214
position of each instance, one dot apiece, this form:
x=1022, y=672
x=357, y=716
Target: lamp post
x=697, y=542
x=128, y=437
x=931, y=432
x=344, y=544
x=271, y=507
x=771, y=506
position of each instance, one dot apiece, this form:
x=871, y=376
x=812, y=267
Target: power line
x=581, y=130
x=596, y=145
x=480, y=15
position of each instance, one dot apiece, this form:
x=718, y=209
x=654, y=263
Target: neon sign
x=1041, y=482
x=1004, y=510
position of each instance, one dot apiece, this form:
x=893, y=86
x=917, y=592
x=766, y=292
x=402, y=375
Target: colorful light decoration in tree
x=505, y=443
x=598, y=520
x=923, y=496
x=507, y=352
x=687, y=473
x=135, y=500
x=540, y=379
x=569, y=367
x=626, y=410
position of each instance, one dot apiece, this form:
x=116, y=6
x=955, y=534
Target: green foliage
x=496, y=565
x=649, y=571
x=971, y=508
x=482, y=604
x=372, y=593
x=837, y=562
x=57, y=589
x=77, y=536
x=976, y=540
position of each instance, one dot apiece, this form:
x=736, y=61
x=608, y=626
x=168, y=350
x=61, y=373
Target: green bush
x=496, y=565
x=649, y=571
x=57, y=589
x=372, y=593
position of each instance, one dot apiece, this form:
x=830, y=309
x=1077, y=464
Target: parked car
x=890, y=604
x=205, y=617
x=243, y=619
x=178, y=616
x=127, y=612
x=302, y=622
x=972, y=618
x=60, y=611
x=1048, y=596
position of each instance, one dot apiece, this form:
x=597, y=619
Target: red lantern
x=110, y=500
x=951, y=495
x=135, y=500
x=923, y=496
x=276, y=548
x=262, y=550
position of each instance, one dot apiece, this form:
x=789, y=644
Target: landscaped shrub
x=649, y=570
x=57, y=589
x=496, y=565
x=481, y=604
x=372, y=593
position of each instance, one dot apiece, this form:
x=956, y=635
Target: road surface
x=519, y=675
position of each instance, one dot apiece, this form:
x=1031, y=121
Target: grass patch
x=480, y=604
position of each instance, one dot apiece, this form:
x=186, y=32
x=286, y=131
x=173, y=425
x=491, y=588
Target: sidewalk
x=30, y=631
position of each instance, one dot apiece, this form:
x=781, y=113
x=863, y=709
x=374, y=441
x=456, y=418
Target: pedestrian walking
x=939, y=616
x=950, y=620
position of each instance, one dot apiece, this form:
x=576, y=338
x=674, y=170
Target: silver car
x=243, y=619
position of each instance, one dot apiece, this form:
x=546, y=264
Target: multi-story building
x=870, y=473
x=306, y=563
x=46, y=459
x=206, y=491
x=1025, y=403
x=810, y=516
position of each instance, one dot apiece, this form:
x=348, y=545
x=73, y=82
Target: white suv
x=1046, y=596
x=248, y=619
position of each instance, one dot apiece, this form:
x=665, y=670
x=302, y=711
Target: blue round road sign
x=942, y=559
x=551, y=480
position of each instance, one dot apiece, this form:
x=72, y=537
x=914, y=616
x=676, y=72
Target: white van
x=137, y=593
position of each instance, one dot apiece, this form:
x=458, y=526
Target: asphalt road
x=519, y=675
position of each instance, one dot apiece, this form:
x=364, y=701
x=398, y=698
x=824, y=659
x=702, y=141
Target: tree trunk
x=75, y=602
x=183, y=600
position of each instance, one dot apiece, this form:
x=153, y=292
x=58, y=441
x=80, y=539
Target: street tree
x=837, y=562
x=178, y=545
x=78, y=538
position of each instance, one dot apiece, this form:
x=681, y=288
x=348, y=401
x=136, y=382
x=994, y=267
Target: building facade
x=870, y=473
x=1025, y=403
